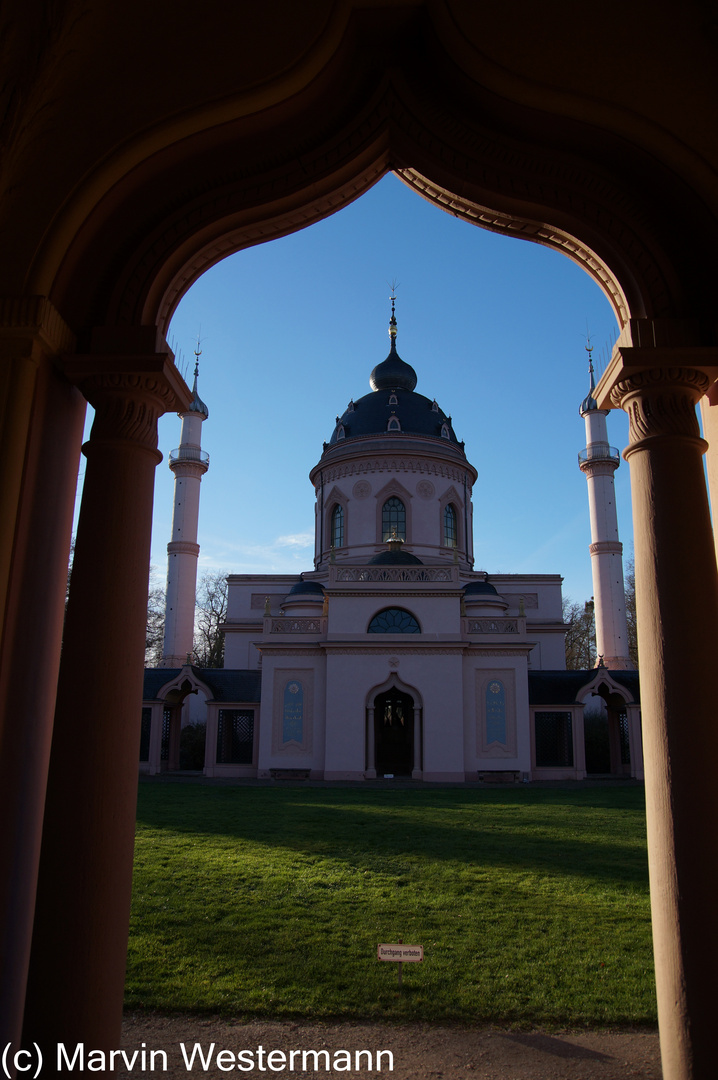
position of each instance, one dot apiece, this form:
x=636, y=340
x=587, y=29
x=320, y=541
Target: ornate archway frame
x=394, y=682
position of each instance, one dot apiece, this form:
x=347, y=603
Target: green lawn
x=531, y=904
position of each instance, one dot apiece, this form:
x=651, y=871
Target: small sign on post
x=400, y=954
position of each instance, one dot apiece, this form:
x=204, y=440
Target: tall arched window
x=337, y=529
x=451, y=536
x=393, y=519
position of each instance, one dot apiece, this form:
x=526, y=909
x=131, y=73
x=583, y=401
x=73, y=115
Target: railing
x=393, y=573
x=492, y=626
x=189, y=453
x=300, y=625
x=599, y=453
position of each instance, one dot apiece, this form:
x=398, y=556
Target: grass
x=531, y=904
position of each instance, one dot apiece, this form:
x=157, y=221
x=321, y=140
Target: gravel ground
x=419, y=1051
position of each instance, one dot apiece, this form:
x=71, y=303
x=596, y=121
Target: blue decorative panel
x=496, y=712
x=293, y=714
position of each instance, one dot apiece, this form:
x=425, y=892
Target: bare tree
x=629, y=585
x=580, y=636
x=210, y=613
x=154, y=640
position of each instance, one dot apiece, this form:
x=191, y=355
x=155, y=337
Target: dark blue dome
x=393, y=373
x=395, y=558
x=480, y=588
x=393, y=408
x=394, y=411
x=309, y=590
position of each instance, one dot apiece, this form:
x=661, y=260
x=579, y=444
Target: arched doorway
x=394, y=733
x=606, y=735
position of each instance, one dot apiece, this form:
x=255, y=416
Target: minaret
x=189, y=463
x=598, y=462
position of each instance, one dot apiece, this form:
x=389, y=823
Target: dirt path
x=419, y=1052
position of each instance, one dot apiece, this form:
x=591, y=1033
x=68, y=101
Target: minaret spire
x=392, y=320
x=189, y=463
x=598, y=462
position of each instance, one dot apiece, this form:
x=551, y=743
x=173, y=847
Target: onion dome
x=393, y=408
x=197, y=405
x=393, y=373
x=589, y=403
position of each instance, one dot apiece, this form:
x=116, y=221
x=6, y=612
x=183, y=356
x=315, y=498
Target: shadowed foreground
x=419, y=1051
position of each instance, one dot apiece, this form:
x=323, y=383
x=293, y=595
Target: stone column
x=42, y=418
x=416, y=773
x=370, y=745
x=677, y=609
x=77, y=968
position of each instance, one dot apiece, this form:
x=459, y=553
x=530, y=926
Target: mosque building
x=393, y=657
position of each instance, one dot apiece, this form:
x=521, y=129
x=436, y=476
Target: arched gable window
x=393, y=519
x=393, y=424
x=394, y=621
x=337, y=527
x=450, y=529
x=445, y=432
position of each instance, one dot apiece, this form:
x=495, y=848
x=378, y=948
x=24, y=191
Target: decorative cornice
x=394, y=649
x=392, y=464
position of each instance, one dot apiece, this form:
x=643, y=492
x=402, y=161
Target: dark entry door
x=394, y=733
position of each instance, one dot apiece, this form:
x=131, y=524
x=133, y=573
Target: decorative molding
x=482, y=679
x=128, y=395
x=430, y=650
x=480, y=650
x=37, y=316
x=393, y=573
x=425, y=489
x=492, y=626
x=282, y=676
x=182, y=547
x=396, y=465
x=601, y=547
x=299, y=625
x=530, y=599
x=287, y=650
x=512, y=225
x=362, y=489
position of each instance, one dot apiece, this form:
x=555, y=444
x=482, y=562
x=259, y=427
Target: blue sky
x=495, y=328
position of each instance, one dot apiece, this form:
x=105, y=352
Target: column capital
x=128, y=393
x=659, y=389
x=661, y=363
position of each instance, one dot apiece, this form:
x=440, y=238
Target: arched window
x=337, y=529
x=450, y=531
x=394, y=620
x=393, y=424
x=393, y=519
